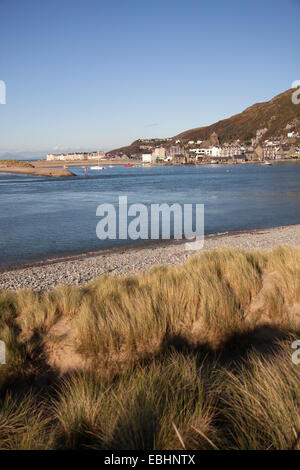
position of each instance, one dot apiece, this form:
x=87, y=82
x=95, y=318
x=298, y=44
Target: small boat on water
x=128, y=164
x=267, y=163
x=97, y=167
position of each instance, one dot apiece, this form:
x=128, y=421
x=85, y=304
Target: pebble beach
x=82, y=269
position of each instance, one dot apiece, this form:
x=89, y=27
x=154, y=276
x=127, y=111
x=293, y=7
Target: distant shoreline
x=59, y=169
x=81, y=268
x=61, y=163
x=115, y=162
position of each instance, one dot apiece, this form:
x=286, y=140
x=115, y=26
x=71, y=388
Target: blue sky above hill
x=96, y=74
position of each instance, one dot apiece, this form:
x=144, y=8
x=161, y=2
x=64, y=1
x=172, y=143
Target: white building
x=222, y=151
x=212, y=151
x=292, y=134
x=148, y=158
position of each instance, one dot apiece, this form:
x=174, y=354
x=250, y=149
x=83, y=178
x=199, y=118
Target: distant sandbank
x=37, y=171
x=60, y=163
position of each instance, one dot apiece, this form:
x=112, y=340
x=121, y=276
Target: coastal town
x=176, y=151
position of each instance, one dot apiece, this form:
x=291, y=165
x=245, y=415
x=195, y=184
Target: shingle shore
x=81, y=270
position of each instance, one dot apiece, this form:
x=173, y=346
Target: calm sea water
x=41, y=217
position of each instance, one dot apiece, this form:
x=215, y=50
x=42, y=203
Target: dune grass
x=136, y=410
x=196, y=356
x=260, y=403
x=23, y=424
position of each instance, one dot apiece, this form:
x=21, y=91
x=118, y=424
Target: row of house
x=75, y=156
x=177, y=151
x=280, y=151
x=222, y=153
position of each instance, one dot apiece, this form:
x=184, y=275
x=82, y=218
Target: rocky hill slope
x=269, y=119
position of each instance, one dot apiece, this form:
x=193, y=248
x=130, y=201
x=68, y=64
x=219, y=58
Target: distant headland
x=26, y=168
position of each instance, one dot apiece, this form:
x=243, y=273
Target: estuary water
x=44, y=217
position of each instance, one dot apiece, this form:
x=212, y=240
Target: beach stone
x=77, y=272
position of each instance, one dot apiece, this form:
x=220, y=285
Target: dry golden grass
x=137, y=410
x=195, y=356
x=260, y=403
x=23, y=425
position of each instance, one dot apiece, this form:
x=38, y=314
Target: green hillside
x=274, y=115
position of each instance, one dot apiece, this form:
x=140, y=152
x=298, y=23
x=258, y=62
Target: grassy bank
x=196, y=356
x=15, y=163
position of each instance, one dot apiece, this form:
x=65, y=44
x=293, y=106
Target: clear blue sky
x=89, y=74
